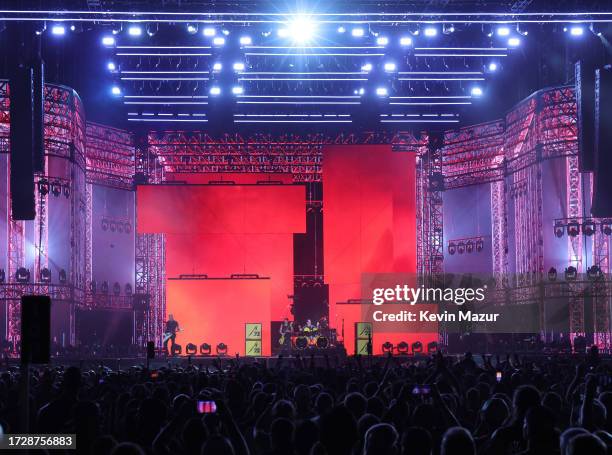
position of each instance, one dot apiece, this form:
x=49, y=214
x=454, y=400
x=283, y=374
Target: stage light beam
x=246, y=40
x=358, y=32
x=431, y=31
x=367, y=67
x=217, y=66
x=111, y=66
x=405, y=41
x=503, y=31
x=108, y=41
x=382, y=91
x=215, y=91
x=238, y=66
x=476, y=91
x=492, y=67
x=135, y=30
x=382, y=40
x=576, y=31
x=390, y=67
x=514, y=42
x=58, y=30
x=301, y=29
x=116, y=90
x=209, y=31
x=237, y=90
x=218, y=41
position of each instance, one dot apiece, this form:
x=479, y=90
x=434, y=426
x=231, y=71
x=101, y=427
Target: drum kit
x=313, y=336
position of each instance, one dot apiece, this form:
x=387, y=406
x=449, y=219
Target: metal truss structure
x=507, y=154
x=64, y=133
x=110, y=156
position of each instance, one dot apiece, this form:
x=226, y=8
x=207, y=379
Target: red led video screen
x=221, y=209
x=219, y=231
x=369, y=224
x=251, y=178
x=221, y=255
x=215, y=311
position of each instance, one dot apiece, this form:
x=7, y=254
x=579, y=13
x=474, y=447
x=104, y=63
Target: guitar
x=168, y=335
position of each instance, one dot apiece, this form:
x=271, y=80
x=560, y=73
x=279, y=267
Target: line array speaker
x=602, y=183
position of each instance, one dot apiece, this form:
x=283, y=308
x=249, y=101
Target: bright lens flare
x=301, y=29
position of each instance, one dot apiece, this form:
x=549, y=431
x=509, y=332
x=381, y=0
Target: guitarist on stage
x=286, y=330
x=172, y=327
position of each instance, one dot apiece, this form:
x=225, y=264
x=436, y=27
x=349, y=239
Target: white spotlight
x=209, y=31
x=115, y=90
x=366, y=67
x=431, y=31
x=135, y=30
x=361, y=91
x=238, y=66
x=217, y=66
x=476, y=91
x=237, y=90
x=218, y=41
x=382, y=40
x=382, y=91
x=492, y=66
x=58, y=30
x=390, y=67
x=357, y=32
x=503, y=31
x=341, y=29
x=576, y=31
x=108, y=41
x=405, y=41
x=215, y=91
x=283, y=33
x=192, y=29
x=301, y=29
x=514, y=42
x=111, y=66
x=246, y=40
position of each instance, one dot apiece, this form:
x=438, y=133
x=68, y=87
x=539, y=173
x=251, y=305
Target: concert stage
x=308, y=210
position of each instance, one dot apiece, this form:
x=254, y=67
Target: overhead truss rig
x=503, y=153
x=395, y=15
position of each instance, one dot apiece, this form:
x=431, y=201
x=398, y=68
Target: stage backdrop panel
x=113, y=250
x=467, y=214
x=220, y=230
x=216, y=311
x=221, y=255
x=200, y=178
x=369, y=225
x=221, y=209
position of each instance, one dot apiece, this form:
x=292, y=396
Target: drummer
x=309, y=329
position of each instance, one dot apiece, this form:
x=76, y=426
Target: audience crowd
x=326, y=406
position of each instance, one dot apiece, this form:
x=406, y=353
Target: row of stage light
x=299, y=33
x=380, y=50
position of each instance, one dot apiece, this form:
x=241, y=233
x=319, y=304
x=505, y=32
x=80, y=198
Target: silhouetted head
x=416, y=441
x=457, y=441
x=381, y=438
x=586, y=443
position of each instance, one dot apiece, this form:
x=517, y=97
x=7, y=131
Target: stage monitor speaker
x=585, y=109
x=35, y=329
x=22, y=141
x=601, y=206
